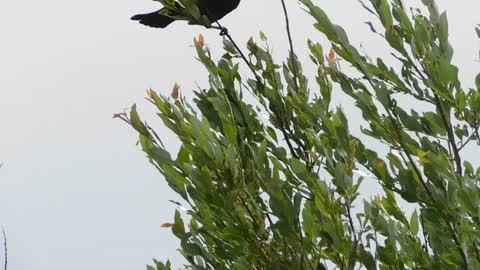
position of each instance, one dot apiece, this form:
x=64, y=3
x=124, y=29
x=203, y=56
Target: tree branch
x=290, y=41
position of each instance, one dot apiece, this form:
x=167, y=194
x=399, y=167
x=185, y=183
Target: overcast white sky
x=75, y=190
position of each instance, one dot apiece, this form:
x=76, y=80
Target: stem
x=290, y=41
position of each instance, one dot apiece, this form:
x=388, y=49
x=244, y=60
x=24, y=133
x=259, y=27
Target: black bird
x=213, y=9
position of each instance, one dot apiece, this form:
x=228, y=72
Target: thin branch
x=350, y=221
x=458, y=163
x=352, y=259
x=224, y=32
x=448, y=126
x=252, y=216
x=399, y=133
x=5, y=250
x=284, y=132
x=292, y=52
x=283, y=127
x=457, y=241
x=471, y=137
x=451, y=229
x=407, y=153
x=424, y=233
x=451, y=136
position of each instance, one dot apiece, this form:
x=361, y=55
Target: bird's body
x=213, y=9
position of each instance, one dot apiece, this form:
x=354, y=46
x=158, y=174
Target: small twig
x=292, y=52
x=5, y=250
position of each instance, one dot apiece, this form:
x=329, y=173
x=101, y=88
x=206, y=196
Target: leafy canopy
x=274, y=183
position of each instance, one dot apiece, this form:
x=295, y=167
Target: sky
x=76, y=192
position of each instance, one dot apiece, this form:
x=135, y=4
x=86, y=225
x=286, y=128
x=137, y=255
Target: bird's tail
x=154, y=19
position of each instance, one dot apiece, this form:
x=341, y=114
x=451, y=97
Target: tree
x=280, y=192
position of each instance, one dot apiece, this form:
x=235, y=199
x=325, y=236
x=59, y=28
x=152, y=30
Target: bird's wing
x=154, y=19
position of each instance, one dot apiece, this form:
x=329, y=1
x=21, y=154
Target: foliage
x=282, y=191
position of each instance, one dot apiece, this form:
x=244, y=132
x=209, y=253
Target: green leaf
x=383, y=10
x=271, y=132
x=477, y=81
x=475, y=101
x=178, y=227
x=137, y=123
x=414, y=223
x=317, y=52
x=443, y=29
x=299, y=168
x=447, y=73
x=392, y=208
x=342, y=180
x=383, y=94
x=435, y=123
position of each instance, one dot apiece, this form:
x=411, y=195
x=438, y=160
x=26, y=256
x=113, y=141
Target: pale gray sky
x=75, y=190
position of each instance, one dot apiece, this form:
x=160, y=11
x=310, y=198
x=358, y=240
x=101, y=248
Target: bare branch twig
x=5, y=250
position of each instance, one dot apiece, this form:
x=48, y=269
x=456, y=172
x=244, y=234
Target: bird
x=213, y=9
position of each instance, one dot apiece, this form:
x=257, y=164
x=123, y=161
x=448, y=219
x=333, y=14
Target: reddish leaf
x=331, y=55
